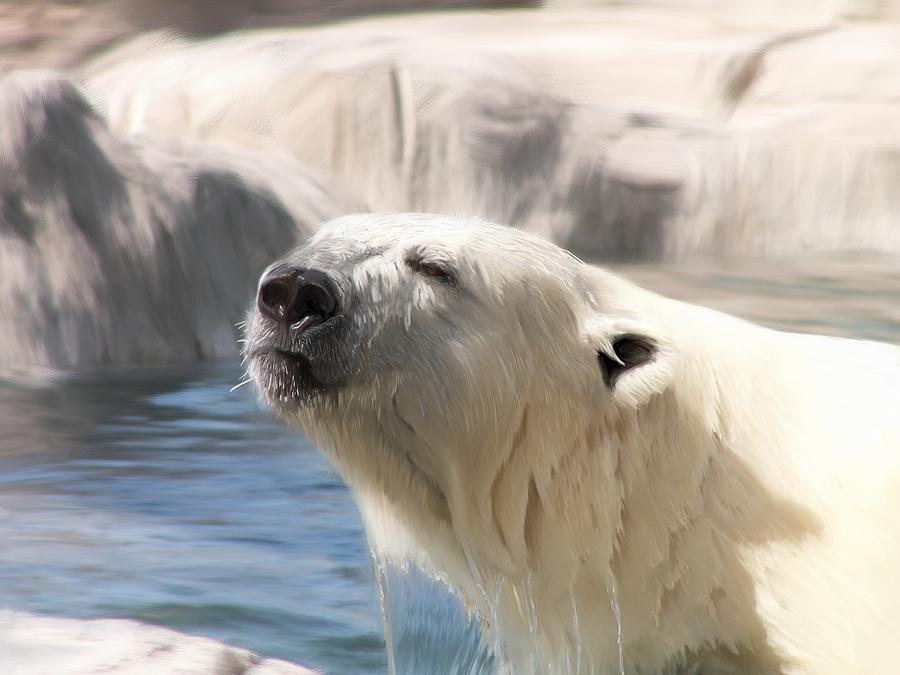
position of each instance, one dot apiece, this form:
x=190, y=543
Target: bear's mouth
x=296, y=358
x=284, y=376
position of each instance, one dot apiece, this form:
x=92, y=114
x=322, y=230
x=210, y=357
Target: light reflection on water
x=158, y=494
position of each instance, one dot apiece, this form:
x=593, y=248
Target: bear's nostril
x=274, y=296
x=317, y=300
x=298, y=298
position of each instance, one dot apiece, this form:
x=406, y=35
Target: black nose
x=297, y=298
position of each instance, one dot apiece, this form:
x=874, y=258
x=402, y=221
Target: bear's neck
x=631, y=532
x=624, y=532
x=607, y=538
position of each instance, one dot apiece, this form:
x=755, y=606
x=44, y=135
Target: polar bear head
x=420, y=346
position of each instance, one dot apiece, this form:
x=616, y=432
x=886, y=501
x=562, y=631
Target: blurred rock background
x=625, y=131
x=63, y=33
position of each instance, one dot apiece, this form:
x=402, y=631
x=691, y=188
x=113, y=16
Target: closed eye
x=433, y=270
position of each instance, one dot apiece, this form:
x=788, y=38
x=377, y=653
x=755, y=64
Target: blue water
x=160, y=495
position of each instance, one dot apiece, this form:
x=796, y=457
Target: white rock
x=619, y=133
x=39, y=645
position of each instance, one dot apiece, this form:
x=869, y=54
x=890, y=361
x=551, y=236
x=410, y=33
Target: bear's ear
x=634, y=361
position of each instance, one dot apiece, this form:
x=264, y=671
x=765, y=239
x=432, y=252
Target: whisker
x=241, y=384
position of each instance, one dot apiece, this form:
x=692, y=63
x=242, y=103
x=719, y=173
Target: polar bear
x=614, y=481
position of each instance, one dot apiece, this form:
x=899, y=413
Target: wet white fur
x=737, y=496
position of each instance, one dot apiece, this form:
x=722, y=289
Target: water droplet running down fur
x=381, y=581
x=617, y=610
x=577, y=628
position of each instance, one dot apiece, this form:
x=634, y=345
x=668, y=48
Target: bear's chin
x=285, y=378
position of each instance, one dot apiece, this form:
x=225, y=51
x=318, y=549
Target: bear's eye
x=631, y=351
x=430, y=269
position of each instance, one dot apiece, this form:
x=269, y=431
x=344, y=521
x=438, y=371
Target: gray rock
x=138, y=251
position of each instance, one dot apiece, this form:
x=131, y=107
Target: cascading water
x=426, y=628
